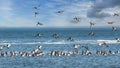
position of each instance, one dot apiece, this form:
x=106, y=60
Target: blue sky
x=20, y=13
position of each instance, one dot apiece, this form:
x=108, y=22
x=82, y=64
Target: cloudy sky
x=20, y=13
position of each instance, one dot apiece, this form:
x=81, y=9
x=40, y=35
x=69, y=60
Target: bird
x=70, y=39
x=103, y=43
x=91, y=23
x=77, y=18
x=118, y=39
x=114, y=28
x=39, y=24
x=8, y=46
x=56, y=36
x=39, y=35
x=60, y=11
x=36, y=7
x=110, y=22
x=39, y=47
x=116, y=14
x=36, y=13
x=1, y=47
x=86, y=47
x=92, y=33
x=75, y=46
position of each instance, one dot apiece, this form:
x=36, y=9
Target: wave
x=64, y=42
x=108, y=41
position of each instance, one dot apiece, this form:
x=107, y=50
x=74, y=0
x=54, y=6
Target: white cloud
x=51, y=19
x=78, y=9
x=5, y=8
x=7, y=15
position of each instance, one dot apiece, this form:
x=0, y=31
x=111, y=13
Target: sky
x=20, y=13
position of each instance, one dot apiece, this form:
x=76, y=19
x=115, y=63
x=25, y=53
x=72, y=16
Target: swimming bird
x=88, y=53
x=8, y=46
x=1, y=47
x=37, y=52
x=75, y=46
x=15, y=53
x=3, y=54
x=39, y=47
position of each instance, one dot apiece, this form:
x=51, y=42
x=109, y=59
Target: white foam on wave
x=31, y=43
x=53, y=43
x=86, y=41
x=108, y=41
x=63, y=42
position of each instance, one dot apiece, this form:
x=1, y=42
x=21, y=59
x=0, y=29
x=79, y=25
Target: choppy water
x=23, y=39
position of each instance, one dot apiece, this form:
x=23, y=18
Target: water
x=24, y=39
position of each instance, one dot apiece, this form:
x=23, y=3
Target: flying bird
x=91, y=24
x=39, y=24
x=116, y=14
x=36, y=13
x=60, y=11
x=86, y=47
x=118, y=39
x=70, y=39
x=103, y=43
x=77, y=18
x=110, y=22
x=39, y=35
x=91, y=33
x=36, y=7
x=114, y=28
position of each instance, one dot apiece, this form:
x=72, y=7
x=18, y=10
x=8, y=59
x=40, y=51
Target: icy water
x=24, y=39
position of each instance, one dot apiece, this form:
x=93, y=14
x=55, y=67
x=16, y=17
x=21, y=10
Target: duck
x=91, y=33
x=103, y=43
x=1, y=47
x=70, y=39
x=118, y=39
x=56, y=36
x=39, y=35
x=8, y=46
